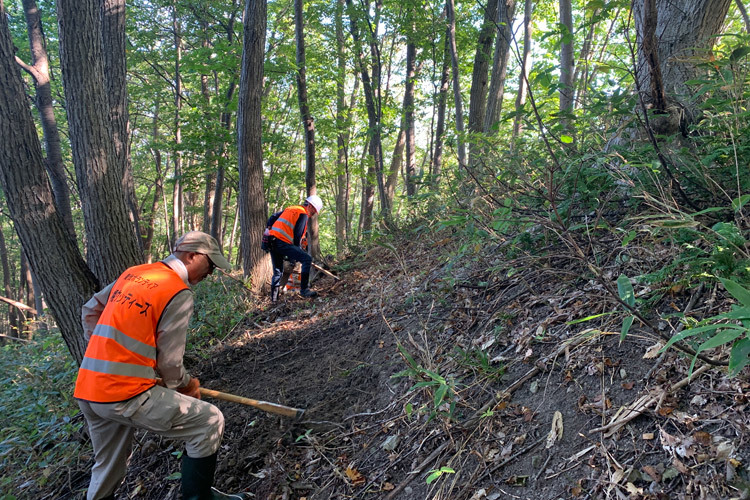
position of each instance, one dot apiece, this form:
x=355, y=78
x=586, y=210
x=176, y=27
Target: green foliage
x=221, y=305
x=732, y=327
x=435, y=474
x=479, y=362
x=39, y=414
x=443, y=391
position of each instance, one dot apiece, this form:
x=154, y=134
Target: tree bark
x=523, y=78
x=252, y=203
x=684, y=33
x=307, y=123
x=411, y=74
x=65, y=279
x=566, y=65
x=479, y=76
x=456, y=86
x=442, y=99
x=506, y=10
x=342, y=135
x=39, y=70
x=111, y=242
x=115, y=72
x=177, y=194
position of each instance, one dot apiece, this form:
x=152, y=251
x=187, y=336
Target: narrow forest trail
x=494, y=333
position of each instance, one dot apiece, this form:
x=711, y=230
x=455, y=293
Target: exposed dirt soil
x=495, y=334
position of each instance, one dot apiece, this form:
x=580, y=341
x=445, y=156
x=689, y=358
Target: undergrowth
x=39, y=413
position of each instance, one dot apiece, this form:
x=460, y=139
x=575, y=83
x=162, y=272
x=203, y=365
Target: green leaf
x=434, y=475
x=739, y=53
x=588, y=318
x=439, y=395
x=566, y=139
x=690, y=332
x=625, y=290
x=738, y=291
x=740, y=356
x=740, y=202
x=721, y=338
x=626, y=324
x=174, y=476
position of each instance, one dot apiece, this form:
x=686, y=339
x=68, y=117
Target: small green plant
x=479, y=362
x=436, y=473
x=443, y=390
x=730, y=327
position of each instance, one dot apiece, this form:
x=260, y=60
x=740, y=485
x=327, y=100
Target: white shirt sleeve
x=171, y=337
x=93, y=309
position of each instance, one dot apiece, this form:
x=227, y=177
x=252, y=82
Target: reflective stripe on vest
x=283, y=228
x=120, y=359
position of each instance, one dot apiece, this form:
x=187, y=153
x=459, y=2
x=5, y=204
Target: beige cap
x=197, y=241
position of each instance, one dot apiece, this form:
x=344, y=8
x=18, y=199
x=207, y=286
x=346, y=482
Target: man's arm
x=299, y=229
x=92, y=310
x=170, y=340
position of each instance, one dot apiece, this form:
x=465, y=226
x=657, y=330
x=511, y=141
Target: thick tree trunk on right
x=683, y=34
x=115, y=71
x=506, y=10
x=252, y=201
x=479, y=76
x=65, y=279
x=111, y=241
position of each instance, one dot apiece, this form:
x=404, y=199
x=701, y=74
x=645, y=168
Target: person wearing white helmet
x=285, y=231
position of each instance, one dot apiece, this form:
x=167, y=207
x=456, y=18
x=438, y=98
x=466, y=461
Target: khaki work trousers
x=163, y=411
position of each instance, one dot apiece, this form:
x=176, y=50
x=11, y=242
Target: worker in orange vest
x=285, y=231
x=136, y=330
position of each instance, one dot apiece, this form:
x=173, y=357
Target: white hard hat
x=315, y=201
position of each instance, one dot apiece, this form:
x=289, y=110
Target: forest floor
x=490, y=337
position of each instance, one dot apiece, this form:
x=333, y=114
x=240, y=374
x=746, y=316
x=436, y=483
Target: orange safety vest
x=120, y=360
x=283, y=228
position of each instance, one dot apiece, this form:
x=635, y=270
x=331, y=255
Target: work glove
x=192, y=388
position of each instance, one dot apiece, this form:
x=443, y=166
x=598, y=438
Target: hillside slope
x=500, y=394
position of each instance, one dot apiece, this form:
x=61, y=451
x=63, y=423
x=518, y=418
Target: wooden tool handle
x=325, y=271
x=278, y=409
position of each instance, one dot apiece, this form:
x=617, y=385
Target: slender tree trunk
x=39, y=70
x=177, y=195
x=411, y=159
x=566, y=65
x=115, y=72
x=506, y=10
x=307, y=123
x=158, y=185
x=373, y=110
x=442, y=99
x=65, y=279
x=252, y=203
x=112, y=243
x=342, y=135
x=743, y=13
x=456, y=86
x=8, y=287
x=479, y=76
x=523, y=78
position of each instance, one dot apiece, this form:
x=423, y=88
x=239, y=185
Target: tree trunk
x=115, y=71
x=252, y=203
x=65, y=279
x=684, y=34
x=342, y=135
x=411, y=160
x=7, y=286
x=506, y=10
x=523, y=78
x=373, y=109
x=456, y=86
x=442, y=99
x=566, y=65
x=307, y=123
x=478, y=92
x=39, y=70
x=177, y=195
x=112, y=243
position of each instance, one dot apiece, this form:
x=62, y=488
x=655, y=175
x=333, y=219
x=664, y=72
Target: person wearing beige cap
x=132, y=374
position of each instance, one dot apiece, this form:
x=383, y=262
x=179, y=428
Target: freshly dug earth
x=511, y=364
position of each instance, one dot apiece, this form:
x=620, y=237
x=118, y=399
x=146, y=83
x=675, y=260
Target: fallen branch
x=18, y=305
x=640, y=405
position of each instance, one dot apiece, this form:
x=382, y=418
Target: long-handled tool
x=286, y=411
x=325, y=271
